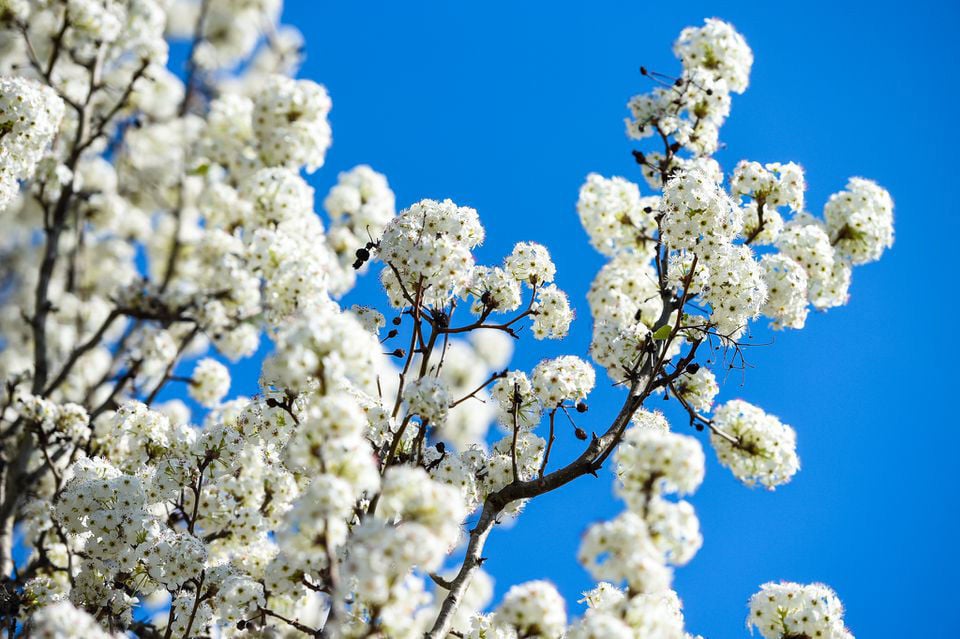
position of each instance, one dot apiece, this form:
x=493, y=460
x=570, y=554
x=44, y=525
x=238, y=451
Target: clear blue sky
x=506, y=106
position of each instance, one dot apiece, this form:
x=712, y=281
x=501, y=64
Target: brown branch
x=292, y=622
x=516, y=430
x=493, y=377
x=760, y=222
x=550, y=440
x=197, y=600
x=173, y=363
x=81, y=350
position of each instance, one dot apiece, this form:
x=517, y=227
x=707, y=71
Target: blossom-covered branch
x=157, y=226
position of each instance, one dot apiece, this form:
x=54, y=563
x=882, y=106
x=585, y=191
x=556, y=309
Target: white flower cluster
x=533, y=609
x=467, y=366
x=237, y=598
x=174, y=558
x=774, y=184
x=325, y=418
x=625, y=292
x=809, y=246
x=860, y=221
x=563, y=379
x=698, y=214
x=30, y=115
x=815, y=259
x=530, y=263
x=230, y=28
x=639, y=545
x=719, y=49
x=552, y=313
x=107, y=504
x=290, y=121
x=326, y=348
x=615, y=216
x=514, y=394
x=62, y=620
x=625, y=303
x=97, y=20
x=699, y=223
x=427, y=252
x=210, y=382
x=765, y=450
x=691, y=111
x=736, y=289
x=654, y=460
x=118, y=521
x=408, y=494
x=429, y=243
x=360, y=206
x=275, y=195
x=787, y=284
x=288, y=249
x=623, y=550
x=783, y=610
x=69, y=419
x=417, y=522
x=698, y=389
x=494, y=288
x=716, y=61
x=371, y=319
x=428, y=398
x=614, y=614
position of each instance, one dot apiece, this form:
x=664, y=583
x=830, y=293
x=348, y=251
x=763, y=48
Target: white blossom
x=698, y=388
x=429, y=399
x=30, y=116
x=764, y=450
x=530, y=264
x=698, y=215
x=431, y=242
x=860, y=221
x=563, y=379
x=773, y=184
x=719, y=49
x=615, y=216
x=653, y=461
x=623, y=550
x=786, y=284
x=210, y=382
x=61, y=620
x=290, y=122
x=553, y=314
x=781, y=610
x=533, y=609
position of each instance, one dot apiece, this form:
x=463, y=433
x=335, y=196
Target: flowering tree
x=150, y=218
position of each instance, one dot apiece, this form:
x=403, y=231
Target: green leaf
x=663, y=332
x=201, y=169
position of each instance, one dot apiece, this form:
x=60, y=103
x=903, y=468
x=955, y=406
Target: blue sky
x=506, y=106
